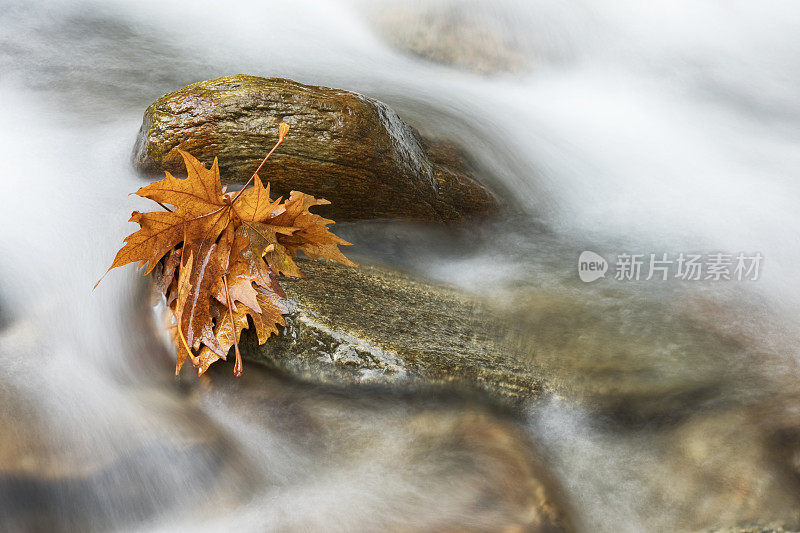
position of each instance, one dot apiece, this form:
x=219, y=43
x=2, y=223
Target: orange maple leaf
x=219, y=254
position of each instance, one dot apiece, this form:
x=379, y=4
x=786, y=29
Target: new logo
x=591, y=266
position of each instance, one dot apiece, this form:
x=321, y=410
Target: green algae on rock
x=349, y=149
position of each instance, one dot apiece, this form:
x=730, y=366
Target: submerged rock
x=372, y=325
x=723, y=470
x=352, y=150
x=468, y=36
x=68, y=465
x=635, y=360
x=399, y=460
x=632, y=361
x=81, y=481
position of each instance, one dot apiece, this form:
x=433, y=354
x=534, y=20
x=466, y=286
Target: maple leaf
x=265, y=237
x=218, y=256
x=254, y=204
x=199, y=194
x=312, y=237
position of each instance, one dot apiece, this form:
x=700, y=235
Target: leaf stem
x=282, y=129
x=188, y=350
x=237, y=367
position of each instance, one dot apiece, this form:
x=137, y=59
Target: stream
x=658, y=127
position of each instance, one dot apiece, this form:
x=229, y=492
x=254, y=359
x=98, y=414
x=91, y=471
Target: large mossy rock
x=352, y=150
x=373, y=325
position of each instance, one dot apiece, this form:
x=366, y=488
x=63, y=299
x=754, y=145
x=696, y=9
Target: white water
x=657, y=126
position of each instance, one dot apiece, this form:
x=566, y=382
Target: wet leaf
x=312, y=236
x=220, y=255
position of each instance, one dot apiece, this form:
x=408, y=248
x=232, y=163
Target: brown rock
x=352, y=150
x=374, y=325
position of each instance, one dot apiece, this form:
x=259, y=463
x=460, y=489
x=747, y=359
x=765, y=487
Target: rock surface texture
x=375, y=325
x=372, y=325
x=349, y=149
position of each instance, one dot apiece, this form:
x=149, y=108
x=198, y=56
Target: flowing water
x=655, y=127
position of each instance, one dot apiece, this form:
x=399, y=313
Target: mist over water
x=639, y=127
